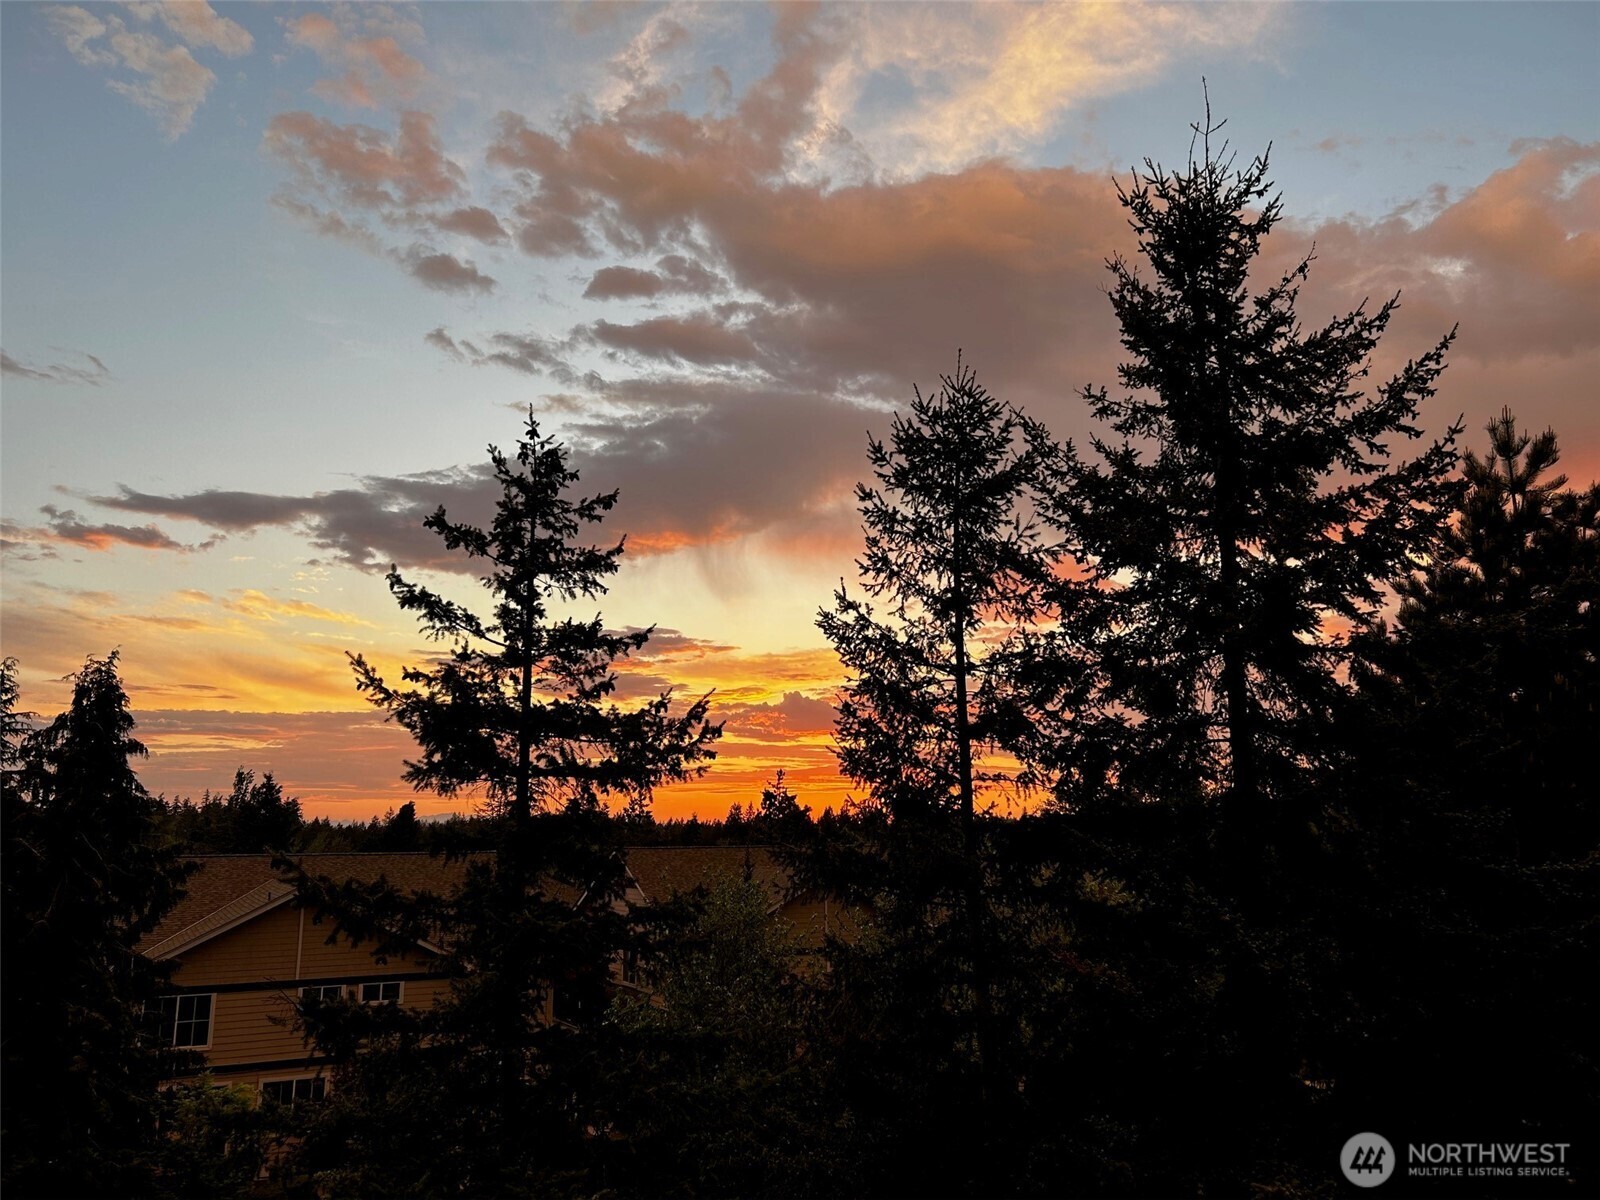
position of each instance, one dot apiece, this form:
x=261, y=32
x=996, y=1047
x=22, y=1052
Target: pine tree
x=1246, y=513
x=520, y=707
x=1492, y=673
x=1473, y=809
x=82, y=882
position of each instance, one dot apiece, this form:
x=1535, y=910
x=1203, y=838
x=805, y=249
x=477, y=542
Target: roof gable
x=227, y=890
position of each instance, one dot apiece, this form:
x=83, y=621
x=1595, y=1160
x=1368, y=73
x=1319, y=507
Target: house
x=245, y=953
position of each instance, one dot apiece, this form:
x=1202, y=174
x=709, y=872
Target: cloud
x=328, y=222
x=995, y=79
x=474, y=222
x=716, y=467
x=364, y=166
x=374, y=69
x=197, y=24
x=66, y=527
x=674, y=275
x=167, y=80
x=250, y=602
x=446, y=273
x=1334, y=143
x=796, y=715
x=401, y=181
x=702, y=338
x=369, y=526
x=94, y=374
x=672, y=643
x=623, y=283
x=174, y=87
x=438, y=337
x=1515, y=260
x=77, y=28
x=525, y=353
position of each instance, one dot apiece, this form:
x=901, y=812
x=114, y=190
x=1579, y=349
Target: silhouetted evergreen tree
x=500, y=1101
x=1475, y=814
x=82, y=882
x=958, y=563
x=401, y=830
x=1246, y=511
x=251, y=817
x=1493, y=668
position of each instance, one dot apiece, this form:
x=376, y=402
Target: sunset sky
x=275, y=275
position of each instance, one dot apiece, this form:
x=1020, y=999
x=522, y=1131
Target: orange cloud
x=1515, y=260
x=252, y=603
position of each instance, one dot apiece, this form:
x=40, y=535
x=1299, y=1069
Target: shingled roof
x=663, y=872
x=229, y=889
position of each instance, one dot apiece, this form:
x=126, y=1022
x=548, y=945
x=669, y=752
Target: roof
x=227, y=889
x=666, y=871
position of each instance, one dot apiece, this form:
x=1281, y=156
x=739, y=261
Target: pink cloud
x=163, y=78
x=196, y=24
x=372, y=70
x=474, y=222
x=364, y=166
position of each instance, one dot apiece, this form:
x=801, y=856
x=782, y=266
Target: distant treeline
x=254, y=816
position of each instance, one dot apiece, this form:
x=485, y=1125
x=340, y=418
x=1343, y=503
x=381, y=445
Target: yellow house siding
x=318, y=960
x=254, y=1027
x=263, y=948
x=258, y=968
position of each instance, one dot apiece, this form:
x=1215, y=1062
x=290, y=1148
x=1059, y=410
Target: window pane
x=191, y=1019
x=309, y=1089
x=380, y=993
x=293, y=1091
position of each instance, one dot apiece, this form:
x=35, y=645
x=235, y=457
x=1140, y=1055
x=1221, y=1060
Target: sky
x=273, y=276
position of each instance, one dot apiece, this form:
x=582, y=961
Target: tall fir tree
x=83, y=880
x=1247, y=512
x=521, y=706
x=957, y=565
x=1250, y=504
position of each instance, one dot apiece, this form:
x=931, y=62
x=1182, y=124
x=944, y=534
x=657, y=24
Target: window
x=185, y=1021
x=381, y=993
x=323, y=991
x=291, y=1091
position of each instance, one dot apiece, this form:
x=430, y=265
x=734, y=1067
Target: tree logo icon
x=1367, y=1159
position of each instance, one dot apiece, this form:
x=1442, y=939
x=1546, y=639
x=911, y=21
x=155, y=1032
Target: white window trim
x=261, y=1084
x=169, y=1035
x=399, y=999
x=344, y=989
